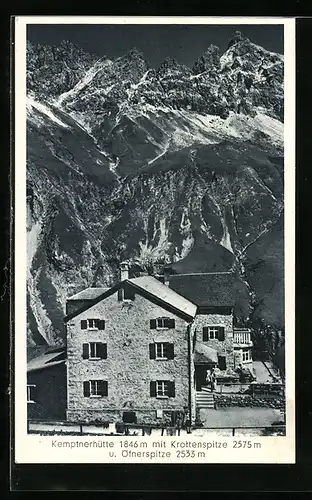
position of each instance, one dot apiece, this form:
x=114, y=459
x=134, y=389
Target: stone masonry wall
x=127, y=369
x=223, y=347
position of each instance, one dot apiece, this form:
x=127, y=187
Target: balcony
x=242, y=337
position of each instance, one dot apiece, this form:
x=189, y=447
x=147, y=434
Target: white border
x=38, y=449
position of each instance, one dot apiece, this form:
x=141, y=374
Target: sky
x=182, y=42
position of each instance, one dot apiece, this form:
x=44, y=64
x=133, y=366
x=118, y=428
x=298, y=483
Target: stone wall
x=243, y=400
x=128, y=368
x=223, y=347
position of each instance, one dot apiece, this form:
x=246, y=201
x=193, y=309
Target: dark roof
x=204, y=354
x=88, y=293
x=205, y=289
x=49, y=358
x=150, y=288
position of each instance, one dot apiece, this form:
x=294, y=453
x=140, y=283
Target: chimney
x=124, y=270
x=167, y=272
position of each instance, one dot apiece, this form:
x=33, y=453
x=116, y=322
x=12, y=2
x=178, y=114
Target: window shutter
x=222, y=362
x=103, y=390
x=153, y=324
x=169, y=350
x=102, y=350
x=166, y=322
x=83, y=324
x=85, y=351
x=101, y=324
x=221, y=333
x=205, y=333
x=120, y=294
x=153, y=389
x=86, y=389
x=171, y=323
x=152, y=351
x=171, y=389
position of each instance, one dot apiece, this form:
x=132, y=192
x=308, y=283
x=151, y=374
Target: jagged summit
x=153, y=165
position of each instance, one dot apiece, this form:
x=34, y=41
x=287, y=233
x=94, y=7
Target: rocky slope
x=174, y=164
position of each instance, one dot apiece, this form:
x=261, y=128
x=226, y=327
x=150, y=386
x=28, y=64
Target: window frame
x=97, y=388
x=96, y=347
x=162, y=319
x=246, y=351
x=215, y=331
x=92, y=327
x=29, y=400
x=162, y=349
x=162, y=389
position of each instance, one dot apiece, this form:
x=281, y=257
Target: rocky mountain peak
x=210, y=60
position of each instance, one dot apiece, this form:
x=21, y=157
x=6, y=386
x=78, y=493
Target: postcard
x=154, y=240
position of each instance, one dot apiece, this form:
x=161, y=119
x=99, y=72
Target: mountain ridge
x=157, y=166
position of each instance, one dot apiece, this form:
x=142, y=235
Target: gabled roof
x=88, y=294
x=154, y=287
x=47, y=359
x=150, y=288
x=204, y=354
x=205, y=289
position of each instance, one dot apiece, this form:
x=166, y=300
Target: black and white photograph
x=155, y=223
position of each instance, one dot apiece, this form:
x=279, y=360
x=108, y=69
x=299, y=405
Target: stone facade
x=128, y=369
x=223, y=347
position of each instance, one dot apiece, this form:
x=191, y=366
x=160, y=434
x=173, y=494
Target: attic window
x=92, y=323
x=163, y=323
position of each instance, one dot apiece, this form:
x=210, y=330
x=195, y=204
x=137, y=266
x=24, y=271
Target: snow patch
x=43, y=109
x=90, y=74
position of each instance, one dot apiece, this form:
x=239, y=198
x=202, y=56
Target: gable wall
x=127, y=369
x=224, y=347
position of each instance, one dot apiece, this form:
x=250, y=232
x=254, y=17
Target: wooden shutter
x=169, y=350
x=166, y=322
x=153, y=324
x=103, y=390
x=86, y=389
x=205, y=333
x=222, y=362
x=152, y=351
x=83, y=324
x=85, y=351
x=100, y=324
x=171, y=389
x=171, y=323
x=102, y=350
x=153, y=389
x=221, y=333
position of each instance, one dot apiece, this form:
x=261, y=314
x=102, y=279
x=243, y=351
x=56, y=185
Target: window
x=246, y=355
x=213, y=333
x=94, y=350
x=30, y=393
x=161, y=350
x=92, y=324
x=162, y=389
x=95, y=388
x=162, y=323
x=129, y=417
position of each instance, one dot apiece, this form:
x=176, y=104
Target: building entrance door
x=200, y=375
